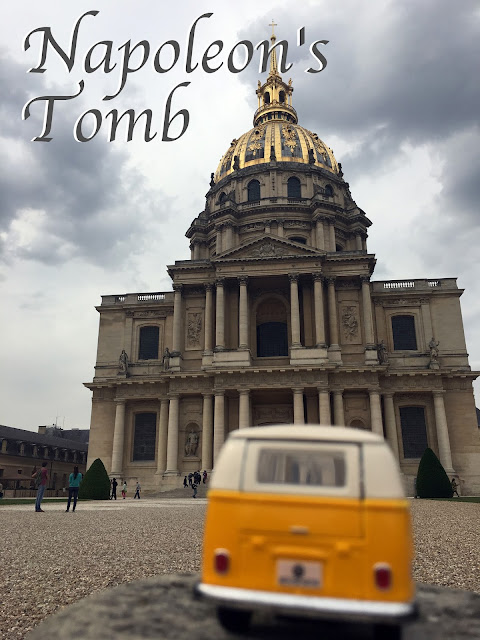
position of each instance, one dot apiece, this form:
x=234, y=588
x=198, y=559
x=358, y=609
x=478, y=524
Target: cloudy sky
x=398, y=102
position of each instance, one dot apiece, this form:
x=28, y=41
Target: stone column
x=324, y=406
x=358, y=241
x=332, y=313
x=390, y=423
x=177, y=319
x=218, y=423
x=376, y=412
x=338, y=412
x=162, y=436
x=228, y=236
x=280, y=230
x=319, y=312
x=207, y=432
x=367, y=311
x=243, y=314
x=219, y=244
x=268, y=226
x=331, y=228
x=172, y=437
x=244, y=408
x=196, y=251
x=444, y=451
x=118, y=438
x=320, y=234
x=220, y=317
x=294, y=309
x=298, y=411
x=208, y=318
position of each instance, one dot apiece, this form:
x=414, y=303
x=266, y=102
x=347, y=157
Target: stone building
x=275, y=319
x=22, y=452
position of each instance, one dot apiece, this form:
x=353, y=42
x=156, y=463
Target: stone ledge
x=164, y=608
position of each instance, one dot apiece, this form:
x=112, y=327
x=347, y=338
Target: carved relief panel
x=194, y=328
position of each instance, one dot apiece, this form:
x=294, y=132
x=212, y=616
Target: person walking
x=114, y=489
x=454, y=488
x=194, y=487
x=190, y=478
x=205, y=475
x=74, y=481
x=137, y=491
x=185, y=482
x=41, y=479
x=124, y=489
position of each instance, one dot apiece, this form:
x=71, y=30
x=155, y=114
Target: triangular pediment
x=267, y=247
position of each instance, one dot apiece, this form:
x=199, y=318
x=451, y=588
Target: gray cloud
x=93, y=200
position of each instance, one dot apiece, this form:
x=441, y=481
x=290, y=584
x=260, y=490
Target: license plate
x=296, y=573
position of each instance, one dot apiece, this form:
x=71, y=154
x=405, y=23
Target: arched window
x=148, y=344
x=223, y=197
x=403, y=329
x=144, y=437
x=272, y=331
x=293, y=187
x=266, y=97
x=281, y=96
x=329, y=190
x=298, y=239
x=414, y=431
x=253, y=190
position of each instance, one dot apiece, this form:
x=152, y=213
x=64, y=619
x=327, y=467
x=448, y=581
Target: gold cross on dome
x=273, y=24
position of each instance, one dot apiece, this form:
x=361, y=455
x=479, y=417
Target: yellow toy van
x=308, y=521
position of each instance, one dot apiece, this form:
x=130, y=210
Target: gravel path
x=53, y=559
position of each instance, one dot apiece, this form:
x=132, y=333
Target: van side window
x=301, y=467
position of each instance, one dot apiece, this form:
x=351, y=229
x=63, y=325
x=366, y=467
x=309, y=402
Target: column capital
x=243, y=392
x=280, y=222
x=120, y=401
x=208, y=286
x=388, y=394
x=177, y=288
x=219, y=392
x=242, y=280
x=298, y=389
x=338, y=392
x=173, y=394
x=163, y=399
x=207, y=394
x=220, y=282
x=331, y=280
x=365, y=279
x=293, y=277
x=438, y=393
x=317, y=276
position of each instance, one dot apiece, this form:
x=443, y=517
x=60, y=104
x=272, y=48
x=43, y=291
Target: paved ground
x=52, y=559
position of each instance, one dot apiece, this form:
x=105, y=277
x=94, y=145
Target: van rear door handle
x=299, y=530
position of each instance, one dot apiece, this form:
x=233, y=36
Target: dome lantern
x=275, y=95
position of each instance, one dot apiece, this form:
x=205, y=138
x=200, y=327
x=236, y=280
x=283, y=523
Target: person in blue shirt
x=73, y=484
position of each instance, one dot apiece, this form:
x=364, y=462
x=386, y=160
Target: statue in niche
x=123, y=363
x=433, y=346
x=382, y=353
x=191, y=443
x=166, y=359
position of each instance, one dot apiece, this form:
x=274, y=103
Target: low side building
x=22, y=452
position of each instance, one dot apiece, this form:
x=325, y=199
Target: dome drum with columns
x=275, y=319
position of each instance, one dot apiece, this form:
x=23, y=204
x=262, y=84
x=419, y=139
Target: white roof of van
x=306, y=432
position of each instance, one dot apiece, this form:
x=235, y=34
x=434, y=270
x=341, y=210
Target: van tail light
x=221, y=561
x=383, y=576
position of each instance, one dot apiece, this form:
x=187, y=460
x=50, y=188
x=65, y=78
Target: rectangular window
x=403, y=329
x=148, y=349
x=145, y=436
x=414, y=431
x=303, y=467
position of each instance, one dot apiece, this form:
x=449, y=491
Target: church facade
x=276, y=319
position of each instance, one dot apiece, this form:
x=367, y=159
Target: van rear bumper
x=308, y=606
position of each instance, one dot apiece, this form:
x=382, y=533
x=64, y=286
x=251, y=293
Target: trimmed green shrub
x=432, y=480
x=96, y=483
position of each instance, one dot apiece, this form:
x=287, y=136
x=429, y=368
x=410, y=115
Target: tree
x=432, y=480
x=96, y=483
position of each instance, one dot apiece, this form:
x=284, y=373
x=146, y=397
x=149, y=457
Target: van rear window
x=302, y=467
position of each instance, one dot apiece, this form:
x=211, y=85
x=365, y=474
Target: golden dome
x=279, y=140
x=276, y=136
